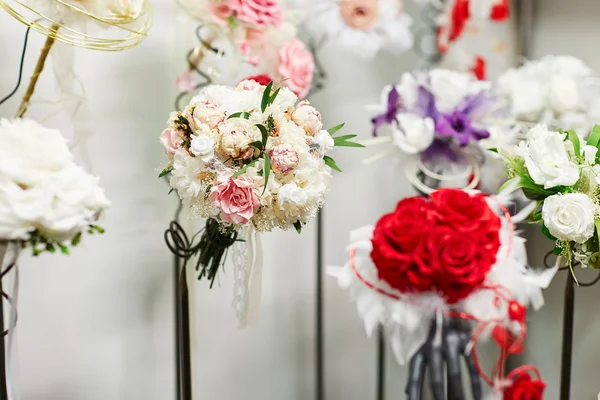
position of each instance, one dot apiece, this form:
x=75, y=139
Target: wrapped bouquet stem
x=248, y=159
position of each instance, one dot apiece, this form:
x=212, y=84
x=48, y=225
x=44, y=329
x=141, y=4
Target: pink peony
x=171, y=139
x=296, y=64
x=235, y=198
x=259, y=14
x=308, y=118
x=284, y=158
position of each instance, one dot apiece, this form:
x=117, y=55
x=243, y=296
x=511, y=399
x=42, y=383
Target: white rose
x=528, y=99
x=547, y=159
x=569, y=65
x=414, y=134
x=236, y=135
x=325, y=141
x=563, y=93
x=291, y=193
x=569, y=216
x=202, y=146
x=449, y=88
x=308, y=118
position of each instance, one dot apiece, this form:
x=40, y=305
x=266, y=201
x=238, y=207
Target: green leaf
x=241, y=114
x=267, y=170
x=572, y=136
x=493, y=150
x=274, y=96
x=594, y=138
x=597, y=224
x=258, y=144
x=76, y=239
x=264, y=133
x=170, y=191
x=165, y=172
x=50, y=248
x=531, y=189
x=243, y=169
x=298, y=226
x=266, y=96
x=98, y=229
x=331, y=163
x=232, y=21
x=64, y=249
x=344, y=141
x=557, y=251
x=547, y=233
x=336, y=128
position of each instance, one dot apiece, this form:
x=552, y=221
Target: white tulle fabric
x=407, y=320
x=247, y=273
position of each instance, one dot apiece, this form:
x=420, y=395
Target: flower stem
x=36, y=73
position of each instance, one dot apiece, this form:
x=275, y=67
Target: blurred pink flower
x=259, y=14
x=296, y=66
x=186, y=82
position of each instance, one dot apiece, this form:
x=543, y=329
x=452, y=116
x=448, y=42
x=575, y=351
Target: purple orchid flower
x=458, y=124
x=389, y=116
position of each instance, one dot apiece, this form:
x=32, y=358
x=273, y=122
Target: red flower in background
x=525, y=388
x=447, y=244
x=479, y=68
x=263, y=79
x=500, y=11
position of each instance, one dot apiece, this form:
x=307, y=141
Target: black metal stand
x=319, y=367
x=3, y=381
x=567, y=339
x=380, y=363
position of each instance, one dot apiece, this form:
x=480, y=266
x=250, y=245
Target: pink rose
x=296, y=64
x=236, y=198
x=308, y=118
x=259, y=14
x=171, y=139
x=186, y=82
x=284, y=159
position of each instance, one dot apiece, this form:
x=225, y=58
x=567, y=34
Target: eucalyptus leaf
x=298, y=226
x=331, y=163
x=266, y=96
x=336, y=128
x=266, y=170
x=164, y=172
x=243, y=169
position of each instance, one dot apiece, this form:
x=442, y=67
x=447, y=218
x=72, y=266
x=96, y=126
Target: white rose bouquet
x=46, y=200
x=558, y=91
x=562, y=176
x=248, y=156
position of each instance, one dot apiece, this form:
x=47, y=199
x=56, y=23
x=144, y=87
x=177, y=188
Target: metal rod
x=177, y=292
x=525, y=20
x=567, y=339
x=3, y=382
x=320, y=394
x=185, y=364
x=380, y=363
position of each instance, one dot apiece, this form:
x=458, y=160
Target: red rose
x=262, y=79
x=396, y=240
x=525, y=388
x=447, y=244
x=460, y=262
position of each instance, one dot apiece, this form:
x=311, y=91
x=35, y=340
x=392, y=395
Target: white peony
x=528, y=99
x=415, y=133
x=570, y=216
x=291, y=193
x=448, y=87
x=324, y=140
x=41, y=187
x=547, y=159
x=202, y=146
x=563, y=93
x=206, y=113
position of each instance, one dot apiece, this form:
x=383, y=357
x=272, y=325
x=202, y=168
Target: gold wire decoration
x=73, y=24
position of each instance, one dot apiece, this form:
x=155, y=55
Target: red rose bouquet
x=454, y=254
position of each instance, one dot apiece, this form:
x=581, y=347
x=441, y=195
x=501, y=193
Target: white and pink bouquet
x=250, y=157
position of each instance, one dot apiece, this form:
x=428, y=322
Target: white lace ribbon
x=247, y=272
